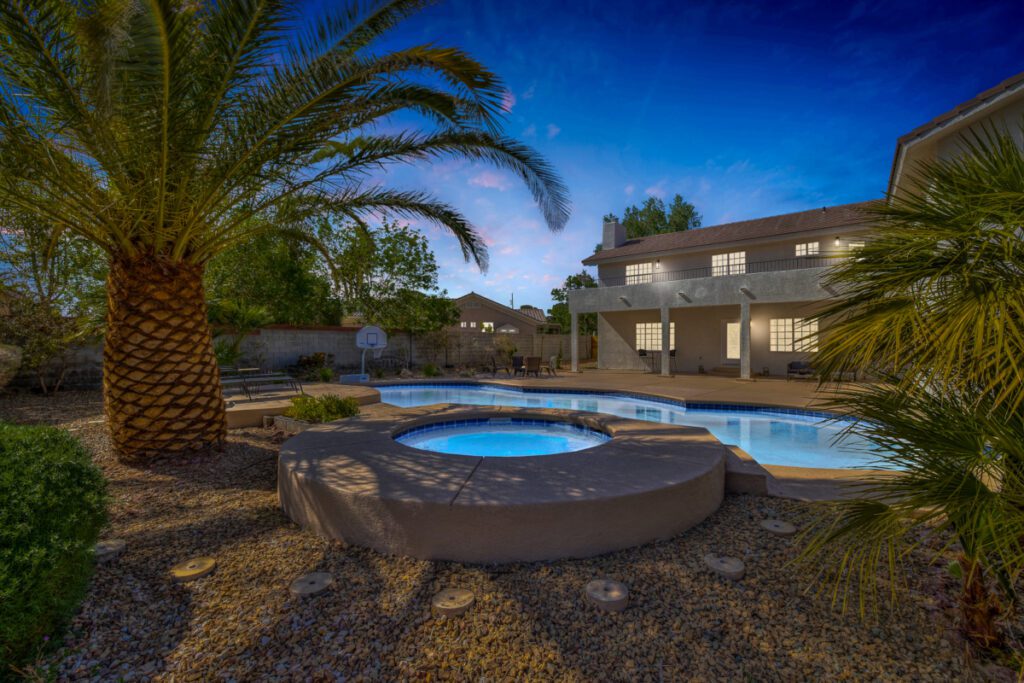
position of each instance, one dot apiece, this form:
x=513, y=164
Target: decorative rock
x=608, y=595
x=193, y=569
x=105, y=551
x=729, y=567
x=778, y=527
x=311, y=584
x=451, y=602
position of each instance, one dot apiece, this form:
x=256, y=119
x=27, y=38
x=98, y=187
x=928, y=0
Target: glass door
x=732, y=343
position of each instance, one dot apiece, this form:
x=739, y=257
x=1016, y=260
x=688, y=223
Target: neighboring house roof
x=534, y=312
x=501, y=307
x=964, y=109
x=757, y=228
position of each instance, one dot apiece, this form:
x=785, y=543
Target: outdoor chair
x=532, y=366
x=517, y=365
x=495, y=368
x=551, y=366
x=799, y=369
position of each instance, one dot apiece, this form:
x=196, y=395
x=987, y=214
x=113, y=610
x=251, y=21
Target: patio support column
x=666, y=358
x=744, y=339
x=574, y=340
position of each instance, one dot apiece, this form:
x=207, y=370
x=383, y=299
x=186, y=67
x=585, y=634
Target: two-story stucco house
x=738, y=296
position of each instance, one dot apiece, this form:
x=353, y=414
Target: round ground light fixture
x=608, y=595
x=451, y=602
x=193, y=569
x=106, y=551
x=778, y=527
x=311, y=584
x=729, y=567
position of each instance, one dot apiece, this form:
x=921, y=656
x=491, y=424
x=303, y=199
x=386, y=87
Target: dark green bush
x=430, y=370
x=322, y=408
x=53, y=508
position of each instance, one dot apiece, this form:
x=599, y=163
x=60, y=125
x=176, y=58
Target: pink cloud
x=530, y=131
x=629, y=189
x=508, y=100
x=491, y=180
x=529, y=93
x=553, y=130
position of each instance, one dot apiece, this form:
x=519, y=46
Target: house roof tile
x=770, y=226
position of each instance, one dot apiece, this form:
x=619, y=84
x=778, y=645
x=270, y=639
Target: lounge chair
x=551, y=366
x=517, y=365
x=799, y=369
x=532, y=366
x=495, y=368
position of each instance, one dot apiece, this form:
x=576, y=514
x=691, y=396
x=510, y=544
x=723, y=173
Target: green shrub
x=54, y=506
x=326, y=375
x=322, y=408
x=430, y=370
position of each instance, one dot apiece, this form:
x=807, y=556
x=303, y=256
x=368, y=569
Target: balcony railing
x=794, y=263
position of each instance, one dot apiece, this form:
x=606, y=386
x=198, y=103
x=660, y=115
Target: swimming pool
x=502, y=437
x=772, y=436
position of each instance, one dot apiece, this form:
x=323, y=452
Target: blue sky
x=745, y=108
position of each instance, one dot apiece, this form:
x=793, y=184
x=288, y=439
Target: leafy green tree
x=288, y=278
x=232, y=321
x=53, y=294
x=653, y=217
x=377, y=267
x=157, y=130
x=417, y=314
x=559, y=312
x=933, y=305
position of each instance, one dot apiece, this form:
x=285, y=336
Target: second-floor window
x=733, y=263
x=463, y=324
x=487, y=327
x=639, y=273
x=807, y=249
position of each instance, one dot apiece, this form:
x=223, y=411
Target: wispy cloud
x=530, y=92
x=553, y=131
x=628, y=189
x=508, y=100
x=656, y=190
x=530, y=131
x=491, y=180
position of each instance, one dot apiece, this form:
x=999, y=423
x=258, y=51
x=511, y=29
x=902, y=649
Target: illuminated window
x=854, y=244
x=487, y=327
x=463, y=324
x=648, y=336
x=807, y=249
x=733, y=263
x=792, y=334
x=473, y=324
x=639, y=273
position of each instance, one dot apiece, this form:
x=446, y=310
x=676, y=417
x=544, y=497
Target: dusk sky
x=746, y=109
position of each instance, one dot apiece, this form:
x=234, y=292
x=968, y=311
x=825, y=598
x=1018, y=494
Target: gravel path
x=530, y=622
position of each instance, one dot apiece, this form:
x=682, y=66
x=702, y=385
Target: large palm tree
x=934, y=306
x=158, y=129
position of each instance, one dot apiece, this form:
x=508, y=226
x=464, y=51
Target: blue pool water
x=772, y=437
x=502, y=438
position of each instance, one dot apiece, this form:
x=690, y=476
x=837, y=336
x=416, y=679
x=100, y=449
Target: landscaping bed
x=529, y=622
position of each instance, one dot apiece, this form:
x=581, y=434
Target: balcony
x=776, y=265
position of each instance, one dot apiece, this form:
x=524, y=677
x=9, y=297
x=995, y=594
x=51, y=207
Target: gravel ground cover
x=529, y=622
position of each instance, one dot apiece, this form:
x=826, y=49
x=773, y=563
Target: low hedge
x=322, y=408
x=54, y=506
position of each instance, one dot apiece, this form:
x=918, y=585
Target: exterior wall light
x=682, y=295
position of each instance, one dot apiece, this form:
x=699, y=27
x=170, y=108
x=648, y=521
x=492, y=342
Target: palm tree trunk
x=979, y=608
x=161, y=384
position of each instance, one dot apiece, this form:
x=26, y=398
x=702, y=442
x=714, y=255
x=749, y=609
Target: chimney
x=614, y=235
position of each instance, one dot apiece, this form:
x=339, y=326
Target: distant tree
x=559, y=313
x=287, y=277
x=653, y=217
x=377, y=267
x=611, y=218
x=417, y=314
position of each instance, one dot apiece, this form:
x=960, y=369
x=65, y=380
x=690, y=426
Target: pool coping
x=746, y=474
x=350, y=480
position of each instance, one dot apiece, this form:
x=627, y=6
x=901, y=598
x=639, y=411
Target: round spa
x=492, y=485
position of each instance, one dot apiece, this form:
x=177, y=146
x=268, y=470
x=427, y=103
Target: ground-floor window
x=793, y=334
x=648, y=337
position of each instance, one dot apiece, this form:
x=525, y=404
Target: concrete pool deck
x=350, y=480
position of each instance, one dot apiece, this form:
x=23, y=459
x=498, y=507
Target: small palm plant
x=166, y=131
x=933, y=305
